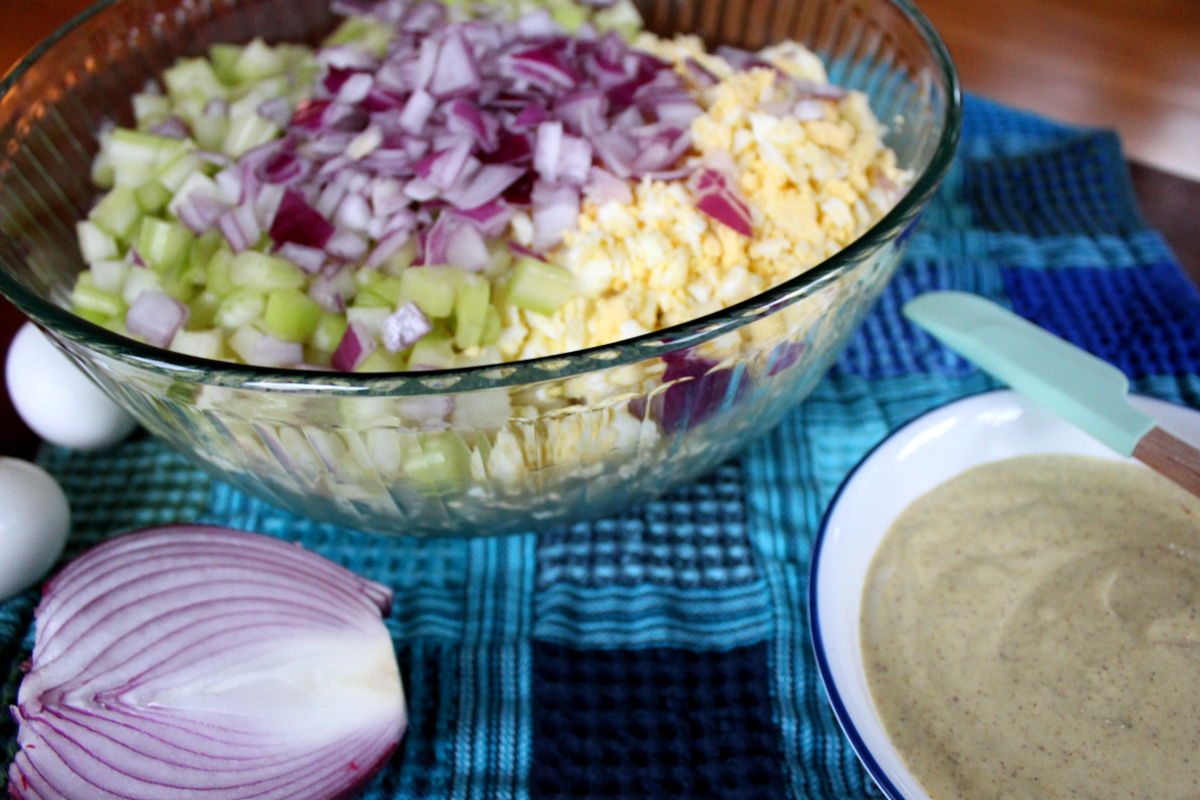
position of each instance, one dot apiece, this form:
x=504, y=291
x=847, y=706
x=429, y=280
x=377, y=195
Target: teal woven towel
x=664, y=652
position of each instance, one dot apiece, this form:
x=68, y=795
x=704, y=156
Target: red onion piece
x=718, y=199
x=192, y=662
x=156, y=317
x=405, y=328
x=297, y=221
x=272, y=352
x=309, y=259
x=357, y=343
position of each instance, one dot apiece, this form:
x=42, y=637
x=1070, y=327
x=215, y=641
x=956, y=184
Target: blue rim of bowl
x=894, y=225
x=845, y=721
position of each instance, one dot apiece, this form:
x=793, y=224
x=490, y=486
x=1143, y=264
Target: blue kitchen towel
x=664, y=652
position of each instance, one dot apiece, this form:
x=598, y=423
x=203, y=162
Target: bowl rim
x=988, y=397
x=896, y=223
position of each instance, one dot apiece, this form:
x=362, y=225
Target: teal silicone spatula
x=1074, y=384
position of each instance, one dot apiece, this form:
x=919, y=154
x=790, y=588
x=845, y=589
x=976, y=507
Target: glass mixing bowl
x=482, y=450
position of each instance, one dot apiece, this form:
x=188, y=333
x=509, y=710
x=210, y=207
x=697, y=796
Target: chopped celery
x=117, y=213
x=363, y=31
x=290, y=315
x=402, y=259
x=381, y=361
x=203, y=310
x=109, y=274
x=243, y=342
x=371, y=317
x=152, y=197
x=86, y=296
x=163, y=245
x=258, y=60
x=253, y=270
x=470, y=310
x=389, y=288
x=210, y=130
x=224, y=58
x=569, y=15
x=140, y=280
x=95, y=243
x=194, y=77
x=328, y=332
x=431, y=288
x=203, y=249
x=136, y=155
x=220, y=272
x=247, y=132
x=537, y=286
x=432, y=352
x=369, y=299
x=150, y=109
x=175, y=172
x=438, y=463
x=202, y=344
x=98, y=317
x=240, y=308
x=491, y=327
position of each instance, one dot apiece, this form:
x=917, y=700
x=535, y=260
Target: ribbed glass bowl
x=528, y=445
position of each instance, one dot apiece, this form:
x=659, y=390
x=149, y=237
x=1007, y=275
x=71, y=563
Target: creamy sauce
x=1031, y=629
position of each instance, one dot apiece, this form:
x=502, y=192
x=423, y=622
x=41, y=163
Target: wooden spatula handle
x=1171, y=457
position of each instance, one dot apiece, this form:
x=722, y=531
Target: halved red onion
x=192, y=662
x=156, y=317
x=357, y=343
x=405, y=327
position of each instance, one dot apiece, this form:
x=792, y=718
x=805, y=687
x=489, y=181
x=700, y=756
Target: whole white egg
x=34, y=521
x=56, y=400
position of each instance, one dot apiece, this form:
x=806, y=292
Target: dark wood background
x=1132, y=65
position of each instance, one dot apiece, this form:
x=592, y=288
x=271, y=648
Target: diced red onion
x=405, y=328
x=172, y=127
x=466, y=249
x=277, y=110
x=192, y=662
x=388, y=246
x=357, y=343
x=455, y=71
x=717, y=198
x=346, y=245
x=604, y=187
x=156, y=317
x=555, y=211
x=296, y=221
x=309, y=259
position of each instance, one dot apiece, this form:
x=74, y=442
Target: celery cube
x=491, y=327
x=117, y=213
x=98, y=301
x=152, y=197
x=163, y=245
x=220, y=272
x=257, y=60
x=439, y=463
x=381, y=361
x=240, y=308
x=202, y=344
x=471, y=304
x=540, y=287
x=203, y=308
x=432, y=352
x=193, y=76
x=431, y=288
x=224, y=58
x=94, y=243
x=290, y=315
x=328, y=332
x=247, y=132
x=253, y=270
x=150, y=109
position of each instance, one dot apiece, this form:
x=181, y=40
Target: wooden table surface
x=1132, y=65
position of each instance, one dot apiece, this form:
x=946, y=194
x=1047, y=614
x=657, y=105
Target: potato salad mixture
x=449, y=185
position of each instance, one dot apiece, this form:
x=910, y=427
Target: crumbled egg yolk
x=814, y=182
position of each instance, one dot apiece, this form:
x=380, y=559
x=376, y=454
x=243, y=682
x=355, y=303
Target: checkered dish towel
x=664, y=653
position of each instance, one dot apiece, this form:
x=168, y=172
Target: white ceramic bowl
x=914, y=459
